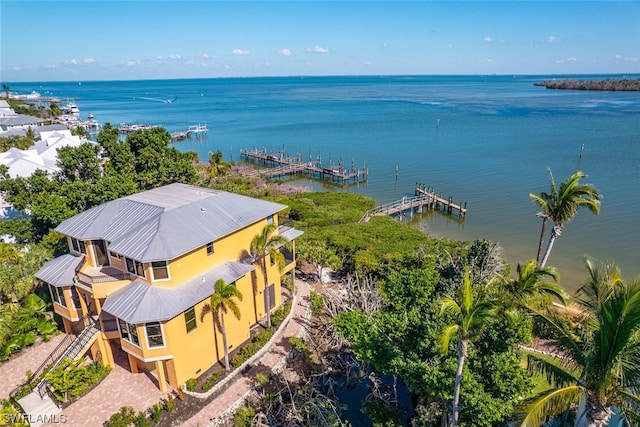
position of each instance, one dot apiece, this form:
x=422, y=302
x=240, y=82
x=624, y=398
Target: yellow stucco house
x=140, y=270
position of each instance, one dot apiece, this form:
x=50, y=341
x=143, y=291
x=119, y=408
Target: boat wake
x=163, y=100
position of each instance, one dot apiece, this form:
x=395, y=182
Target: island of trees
x=627, y=85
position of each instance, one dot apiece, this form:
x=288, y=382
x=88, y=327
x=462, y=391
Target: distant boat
x=72, y=109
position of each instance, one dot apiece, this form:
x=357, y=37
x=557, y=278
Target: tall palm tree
x=533, y=282
x=5, y=88
x=598, y=361
x=471, y=312
x=561, y=205
x=221, y=301
x=266, y=243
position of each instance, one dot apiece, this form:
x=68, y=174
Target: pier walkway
x=425, y=199
x=282, y=165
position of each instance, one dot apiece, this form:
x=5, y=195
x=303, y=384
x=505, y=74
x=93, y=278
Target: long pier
x=282, y=165
x=425, y=198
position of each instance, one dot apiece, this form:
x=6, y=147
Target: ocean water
x=484, y=140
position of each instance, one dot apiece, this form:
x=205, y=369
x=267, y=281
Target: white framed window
x=190, y=319
x=160, y=270
x=210, y=248
x=78, y=246
x=154, y=334
x=75, y=298
x=57, y=295
x=270, y=220
x=128, y=332
x=135, y=267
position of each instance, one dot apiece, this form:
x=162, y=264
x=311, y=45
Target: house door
x=100, y=253
x=271, y=291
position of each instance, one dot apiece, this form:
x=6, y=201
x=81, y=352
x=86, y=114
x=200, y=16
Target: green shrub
x=244, y=417
x=155, y=412
x=70, y=380
x=123, y=418
x=262, y=379
x=10, y=415
x=212, y=380
x=299, y=344
x=170, y=403
x=317, y=302
x=279, y=315
x=192, y=384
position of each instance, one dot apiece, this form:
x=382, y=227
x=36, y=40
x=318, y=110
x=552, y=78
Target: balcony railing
x=93, y=276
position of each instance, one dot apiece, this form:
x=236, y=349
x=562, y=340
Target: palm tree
x=263, y=244
x=222, y=300
x=5, y=88
x=471, y=312
x=55, y=110
x=532, y=283
x=217, y=166
x=562, y=204
x=597, y=365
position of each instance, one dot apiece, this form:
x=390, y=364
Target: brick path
x=13, y=371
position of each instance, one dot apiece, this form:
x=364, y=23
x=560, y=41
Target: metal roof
x=139, y=302
x=60, y=271
x=290, y=233
x=169, y=221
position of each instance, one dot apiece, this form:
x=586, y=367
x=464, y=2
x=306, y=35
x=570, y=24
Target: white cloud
x=50, y=67
x=89, y=61
x=552, y=39
x=633, y=59
x=488, y=39
x=572, y=59
x=318, y=49
x=71, y=62
x=618, y=56
x=132, y=63
x=175, y=57
x=285, y=52
x=489, y=61
x=159, y=58
x=240, y=52
x=17, y=68
x=559, y=61
x=204, y=56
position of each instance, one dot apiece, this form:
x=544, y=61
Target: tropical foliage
x=597, y=363
x=560, y=205
x=72, y=378
x=266, y=243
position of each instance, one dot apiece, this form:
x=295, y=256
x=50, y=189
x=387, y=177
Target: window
x=190, y=319
x=135, y=267
x=57, y=295
x=154, y=334
x=160, y=270
x=128, y=332
x=114, y=255
x=75, y=298
x=270, y=220
x=209, y=248
x=78, y=246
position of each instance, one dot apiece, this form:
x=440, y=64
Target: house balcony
x=101, y=281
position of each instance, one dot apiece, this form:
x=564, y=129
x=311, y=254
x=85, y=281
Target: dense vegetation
x=606, y=84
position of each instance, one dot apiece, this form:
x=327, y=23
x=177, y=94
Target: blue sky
x=112, y=40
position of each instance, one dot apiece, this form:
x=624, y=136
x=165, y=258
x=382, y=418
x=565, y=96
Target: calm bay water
x=484, y=140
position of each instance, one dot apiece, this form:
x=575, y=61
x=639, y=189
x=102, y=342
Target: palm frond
x=558, y=371
x=444, y=339
x=548, y=403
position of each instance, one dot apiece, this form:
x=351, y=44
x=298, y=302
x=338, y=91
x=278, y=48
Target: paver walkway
x=13, y=371
x=244, y=383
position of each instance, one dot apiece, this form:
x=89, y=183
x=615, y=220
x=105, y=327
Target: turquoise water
x=486, y=140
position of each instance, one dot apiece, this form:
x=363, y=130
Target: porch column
x=162, y=380
x=133, y=365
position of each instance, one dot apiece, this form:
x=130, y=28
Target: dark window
x=154, y=334
x=160, y=270
x=209, y=248
x=270, y=219
x=134, y=267
x=57, y=295
x=75, y=297
x=78, y=246
x=190, y=319
x=128, y=332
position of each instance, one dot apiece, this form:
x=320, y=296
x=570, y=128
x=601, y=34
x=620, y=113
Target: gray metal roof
x=169, y=221
x=60, y=271
x=290, y=233
x=139, y=302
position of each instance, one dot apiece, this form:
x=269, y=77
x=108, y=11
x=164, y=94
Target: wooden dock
x=425, y=199
x=282, y=165
x=198, y=131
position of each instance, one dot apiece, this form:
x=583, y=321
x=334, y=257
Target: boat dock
x=197, y=131
x=425, y=198
x=283, y=165
x=126, y=128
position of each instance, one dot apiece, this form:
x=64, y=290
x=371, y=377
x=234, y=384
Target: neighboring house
x=50, y=141
x=10, y=121
x=144, y=267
